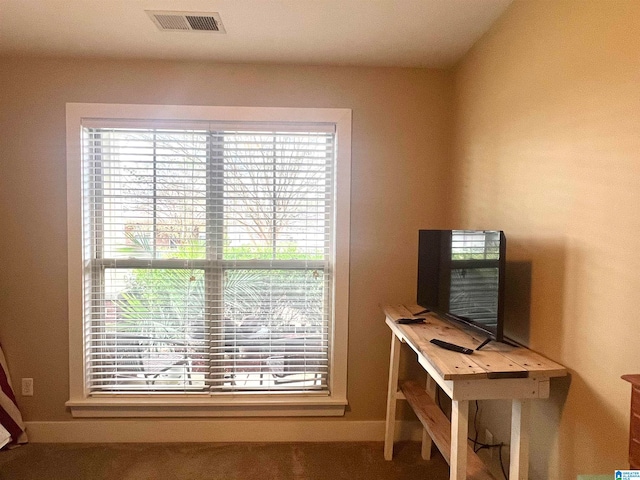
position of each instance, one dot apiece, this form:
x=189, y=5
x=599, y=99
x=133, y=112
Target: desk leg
x=426, y=439
x=392, y=398
x=459, y=433
x=520, y=413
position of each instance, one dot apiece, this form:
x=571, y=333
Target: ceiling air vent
x=187, y=21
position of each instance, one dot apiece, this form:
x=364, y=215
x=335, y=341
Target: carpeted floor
x=278, y=461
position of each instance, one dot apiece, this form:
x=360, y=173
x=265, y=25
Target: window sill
x=232, y=406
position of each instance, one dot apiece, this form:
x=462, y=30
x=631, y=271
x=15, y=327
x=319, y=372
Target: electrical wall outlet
x=488, y=439
x=27, y=387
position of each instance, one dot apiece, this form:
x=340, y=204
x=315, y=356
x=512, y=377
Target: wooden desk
x=498, y=371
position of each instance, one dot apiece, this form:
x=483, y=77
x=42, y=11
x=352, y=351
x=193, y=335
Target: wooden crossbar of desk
x=498, y=371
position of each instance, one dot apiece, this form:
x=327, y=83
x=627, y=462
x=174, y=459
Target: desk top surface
x=495, y=360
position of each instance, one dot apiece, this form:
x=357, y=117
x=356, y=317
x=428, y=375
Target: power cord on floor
x=496, y=445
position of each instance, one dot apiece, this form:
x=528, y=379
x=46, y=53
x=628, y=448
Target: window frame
x=232, y=404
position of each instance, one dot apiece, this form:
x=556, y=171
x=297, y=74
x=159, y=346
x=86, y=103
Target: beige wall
x=547, y=147
x=401, y=144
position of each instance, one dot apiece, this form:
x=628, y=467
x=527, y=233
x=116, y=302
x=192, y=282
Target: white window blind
x=208, y=257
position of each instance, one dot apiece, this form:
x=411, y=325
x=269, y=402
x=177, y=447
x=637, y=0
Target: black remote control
x=404, y=321
x=451, y=346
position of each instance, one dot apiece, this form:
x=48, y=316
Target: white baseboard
x=156, y=431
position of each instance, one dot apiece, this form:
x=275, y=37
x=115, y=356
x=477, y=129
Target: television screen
x=461, y=276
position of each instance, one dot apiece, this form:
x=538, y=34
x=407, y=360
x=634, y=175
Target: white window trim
x=80, y=403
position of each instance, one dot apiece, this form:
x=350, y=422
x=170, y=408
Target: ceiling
x=408, y=33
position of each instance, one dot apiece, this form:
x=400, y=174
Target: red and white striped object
x=10, y=417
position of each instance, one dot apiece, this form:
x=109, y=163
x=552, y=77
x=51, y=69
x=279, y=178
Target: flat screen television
x=461, y=276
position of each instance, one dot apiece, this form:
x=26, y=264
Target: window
x=208, y=259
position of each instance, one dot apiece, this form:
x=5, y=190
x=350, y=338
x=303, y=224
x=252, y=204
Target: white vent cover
x=187, y=21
